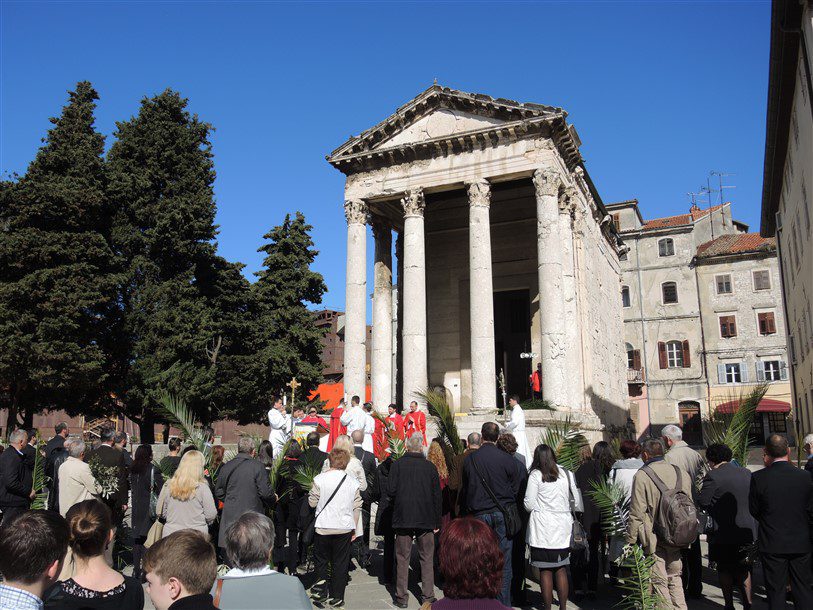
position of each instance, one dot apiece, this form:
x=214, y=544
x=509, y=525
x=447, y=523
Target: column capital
x=479, y=193
x=547, y=181
x=413, y=202
x=356, y=211
x=567, y=200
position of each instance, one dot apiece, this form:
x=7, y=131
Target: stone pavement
x=365, y=593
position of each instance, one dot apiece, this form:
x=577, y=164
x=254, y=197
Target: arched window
x=669, y=292
x=674, y=354
x=666, y=247
x=625, y=296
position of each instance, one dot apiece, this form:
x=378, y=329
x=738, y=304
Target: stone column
x=355, y=311
x=481, y=299
x=569, y=215
x=381, y=365
x=551, y=283
x=413, y=333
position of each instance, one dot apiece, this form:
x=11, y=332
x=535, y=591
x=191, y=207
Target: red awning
x=766, y=405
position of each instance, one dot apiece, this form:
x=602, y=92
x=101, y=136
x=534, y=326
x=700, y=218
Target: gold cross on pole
x=293, y=384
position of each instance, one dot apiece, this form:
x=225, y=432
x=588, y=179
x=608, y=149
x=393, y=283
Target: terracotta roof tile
x=736, y=243
x=695, y=213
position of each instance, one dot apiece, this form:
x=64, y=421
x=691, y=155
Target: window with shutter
x=723, y=284
x=783, y=373
x=670, y=294
x=625, y=296
x=767, y=323
x=721, y=373
x=762, y=279
x=772, y=370
x=674, y=355
x=666, y=247
x=733, y=373
x=728, y=327
x=687, y=357
x=663, y=360
x=617, y=222
x=760, y=371
x=636, y=359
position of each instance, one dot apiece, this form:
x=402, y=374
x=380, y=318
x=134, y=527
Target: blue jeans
x=496, y=522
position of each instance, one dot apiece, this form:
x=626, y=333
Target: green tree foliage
x=183, y=309
x=57, y=285
x=287, y=342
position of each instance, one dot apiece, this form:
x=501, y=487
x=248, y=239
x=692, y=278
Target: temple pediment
x=441, y=120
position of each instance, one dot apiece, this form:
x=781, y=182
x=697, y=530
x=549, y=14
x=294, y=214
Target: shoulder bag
x=310, y=530
x=156, y=529
x=513, y=523
x=578, y=537
x=153, y=495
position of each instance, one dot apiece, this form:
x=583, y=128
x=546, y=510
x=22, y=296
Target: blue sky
x=660, y=92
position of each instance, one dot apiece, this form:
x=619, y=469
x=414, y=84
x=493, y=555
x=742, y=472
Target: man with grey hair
x=644, y=504
x=808, y=444
x=242, y=486
x=690, y=461
x=413, y=490
x=16, y=481
x=249, y=544
x=76, y=482
x=473, y=442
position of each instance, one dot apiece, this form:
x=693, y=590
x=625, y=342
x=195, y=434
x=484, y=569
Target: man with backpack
x=663, y=520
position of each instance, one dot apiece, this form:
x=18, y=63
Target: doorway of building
x=689, y=417
x=512, y=337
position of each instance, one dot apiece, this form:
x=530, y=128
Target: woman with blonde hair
x=186, y=501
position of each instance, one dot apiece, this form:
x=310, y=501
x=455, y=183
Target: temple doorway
x=512, y=337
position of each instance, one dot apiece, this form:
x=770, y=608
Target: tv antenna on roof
x=720, y=176
x=693, y=197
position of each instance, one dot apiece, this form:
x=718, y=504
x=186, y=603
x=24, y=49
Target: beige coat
x=76, y=484
x=683, y=456
x=644, y=504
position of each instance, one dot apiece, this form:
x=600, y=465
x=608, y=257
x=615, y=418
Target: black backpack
x=675, y=522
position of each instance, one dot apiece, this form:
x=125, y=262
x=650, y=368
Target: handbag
x=513, y=522
x=153, y=495
x=578, y=537
x=310, y=530
x=156, y=529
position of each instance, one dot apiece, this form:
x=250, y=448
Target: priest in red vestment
x=336, y=427
x=396, y=420
x=415, y=421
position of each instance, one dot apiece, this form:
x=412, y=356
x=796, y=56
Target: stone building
x=787, y=188
x=332, y=322
x=702, y=304
x=503, y=247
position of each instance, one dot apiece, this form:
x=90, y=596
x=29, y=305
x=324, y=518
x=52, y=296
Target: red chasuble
x=416, y=422
x=336, y=427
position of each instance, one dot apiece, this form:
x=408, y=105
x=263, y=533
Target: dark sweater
x=500, y=472
x=413, y=487
x=203, y=601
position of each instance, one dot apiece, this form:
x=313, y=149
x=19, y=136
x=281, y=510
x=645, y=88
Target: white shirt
x=280, y=429
x=238, y=573
x=517, y=427
x=355, y=419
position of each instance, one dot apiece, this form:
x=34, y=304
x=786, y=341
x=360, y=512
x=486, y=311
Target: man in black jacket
x=109, y=456
x=243, y=486
x=16, y=482
x=490, y=468
x=781, y=500
x=55, y=445
x=368, y=463
x=413, y=489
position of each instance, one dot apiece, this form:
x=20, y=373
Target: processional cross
x=293, y=384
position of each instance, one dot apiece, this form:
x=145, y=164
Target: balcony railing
x=635, y=375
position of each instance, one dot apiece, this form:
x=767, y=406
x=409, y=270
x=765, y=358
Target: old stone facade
x=702, y=304
x=787, y=190
x=503, y=247
x=332, y=322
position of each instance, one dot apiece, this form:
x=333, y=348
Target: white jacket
x=354, y=418
x=338, y=515
x=548, y=504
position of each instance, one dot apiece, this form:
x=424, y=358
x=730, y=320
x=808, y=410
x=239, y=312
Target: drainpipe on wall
x=643, y=336
x=703, y=356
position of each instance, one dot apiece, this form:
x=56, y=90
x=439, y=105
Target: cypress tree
x=161, y=174
x=57, y=285
x=287, y=342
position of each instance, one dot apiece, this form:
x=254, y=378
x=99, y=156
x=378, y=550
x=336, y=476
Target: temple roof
x=462, y=121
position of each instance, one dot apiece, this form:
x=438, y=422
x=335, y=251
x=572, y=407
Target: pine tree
x=57, y=286
x=177, y=326
x=287, y=342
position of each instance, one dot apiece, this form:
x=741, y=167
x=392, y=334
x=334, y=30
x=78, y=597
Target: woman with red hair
x=471, y=563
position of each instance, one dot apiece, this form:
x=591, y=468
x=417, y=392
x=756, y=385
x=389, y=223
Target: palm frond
x=566, y=439
x=614, y=505
x=274, y=473
x=177, y=412
x=638, y=591
x=165, y=469
x=395, y=445
x=733, y=429
x=40, y=501
x=439, y=409
x=305, y=473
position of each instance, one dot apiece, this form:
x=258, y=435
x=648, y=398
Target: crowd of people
x=480, y=522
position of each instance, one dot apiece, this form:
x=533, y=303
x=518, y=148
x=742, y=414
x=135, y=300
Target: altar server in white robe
x=517, y=427
x=354, y=418
x=369, y=428
x=280, y=423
